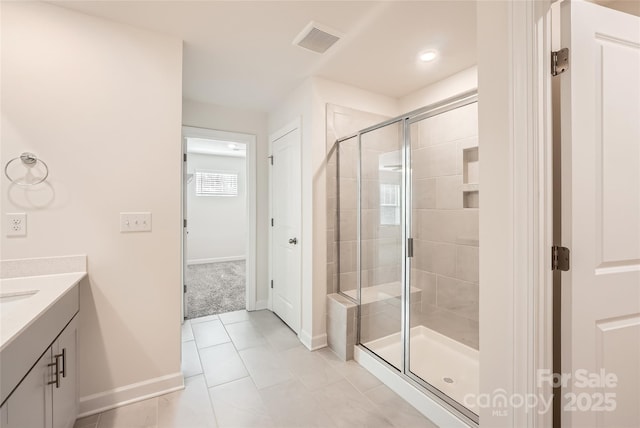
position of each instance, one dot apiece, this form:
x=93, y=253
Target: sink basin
x=9, y=299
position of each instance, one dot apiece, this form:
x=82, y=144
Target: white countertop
x=20, y=307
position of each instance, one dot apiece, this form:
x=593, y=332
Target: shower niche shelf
x=470, y=178
x=471, y=198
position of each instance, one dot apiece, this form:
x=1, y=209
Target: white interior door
x=600, y=108
x=285, y=239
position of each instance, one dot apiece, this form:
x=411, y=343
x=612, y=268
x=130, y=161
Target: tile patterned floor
x=248, y=369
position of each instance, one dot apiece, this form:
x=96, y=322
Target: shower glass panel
x=444, y=188
x=381, y=238
x=347, y=208
x=408, y=203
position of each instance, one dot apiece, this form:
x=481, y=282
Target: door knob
x=293, y=241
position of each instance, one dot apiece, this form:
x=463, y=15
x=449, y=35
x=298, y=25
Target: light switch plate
x=135, y=222
x=16, y=224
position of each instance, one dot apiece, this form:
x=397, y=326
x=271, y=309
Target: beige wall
x=100, y=102
x=496, y=219
x=220, y=118
x=463, y=81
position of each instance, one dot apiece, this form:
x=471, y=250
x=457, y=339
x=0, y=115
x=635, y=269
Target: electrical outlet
x=16, y=224
x=135, y=222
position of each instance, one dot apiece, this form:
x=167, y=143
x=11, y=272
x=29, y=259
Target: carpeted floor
x=215, y=288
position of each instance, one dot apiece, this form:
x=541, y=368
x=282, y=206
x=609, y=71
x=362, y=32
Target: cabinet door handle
x=56, y=380
x=64, y=362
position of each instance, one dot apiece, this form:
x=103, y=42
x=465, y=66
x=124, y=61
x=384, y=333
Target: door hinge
x=272, y=222
x=559, y=61
x=184, y=223
x=272, y=283
x=271, y=159
x=559, y=258
x=185, y=157
x=410, y=247
x=185, y=288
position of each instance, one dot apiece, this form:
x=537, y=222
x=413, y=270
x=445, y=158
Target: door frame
x=290, y=127
x=250, y=141
x=516, y=292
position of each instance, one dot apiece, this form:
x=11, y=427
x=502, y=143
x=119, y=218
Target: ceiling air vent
x=316, y=37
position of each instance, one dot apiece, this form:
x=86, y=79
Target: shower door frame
x=403, y=228
x=414, y=117
x=406, y=120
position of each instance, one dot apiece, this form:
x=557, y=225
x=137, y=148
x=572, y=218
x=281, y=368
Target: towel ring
x=29, y=160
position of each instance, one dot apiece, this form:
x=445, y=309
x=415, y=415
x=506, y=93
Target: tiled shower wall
x=341, y=122
x=445, y=222
x=381, y=241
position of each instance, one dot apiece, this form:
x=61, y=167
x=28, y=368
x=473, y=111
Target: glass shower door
x=381, y=253
x=443, y=276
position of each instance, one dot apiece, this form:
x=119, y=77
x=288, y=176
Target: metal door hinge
x=271, y=159
x=185, y=157
x=272, y=283
x=559, y=258
x=184, y=223
x=185, y=288
x=410, y=247
x=271, y=222
x=559, y=61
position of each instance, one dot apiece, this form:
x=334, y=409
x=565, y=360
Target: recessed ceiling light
x=429, y=55
x=232, y=146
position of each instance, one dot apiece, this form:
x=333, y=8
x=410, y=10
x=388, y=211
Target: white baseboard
x=103, y=401
x=261, y=304
x=313, y=342
x=215, y=260
x=432, y=409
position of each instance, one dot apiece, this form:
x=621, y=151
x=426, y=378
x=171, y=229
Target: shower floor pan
x=442, y=362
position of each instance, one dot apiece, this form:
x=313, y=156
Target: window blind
x=214, y=183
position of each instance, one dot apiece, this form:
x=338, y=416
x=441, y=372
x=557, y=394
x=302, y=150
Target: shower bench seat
x=382, y=299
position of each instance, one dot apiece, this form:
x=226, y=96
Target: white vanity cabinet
x=65, y=397
x=38, y=341
x=47, y=396
x=27, y=406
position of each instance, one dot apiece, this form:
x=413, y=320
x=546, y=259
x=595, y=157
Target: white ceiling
x=240, y=53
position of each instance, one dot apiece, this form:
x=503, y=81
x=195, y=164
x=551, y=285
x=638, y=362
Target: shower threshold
x=446, y=364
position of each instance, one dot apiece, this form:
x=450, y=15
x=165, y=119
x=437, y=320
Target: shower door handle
x=293, y=241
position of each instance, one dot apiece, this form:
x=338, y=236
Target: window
x=389, y=204
x=213, y=183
